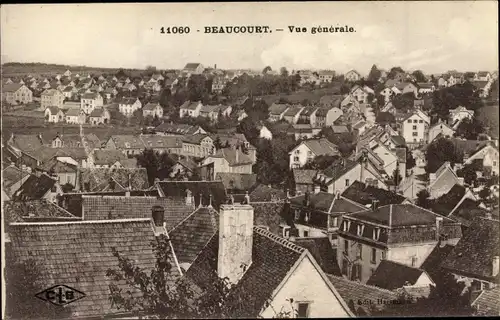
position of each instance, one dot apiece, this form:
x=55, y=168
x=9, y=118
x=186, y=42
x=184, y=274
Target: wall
x=404, y=253
x=437, y=129
x=354, y=174
x=306, y=284
x=302, y=156
x=313, y=232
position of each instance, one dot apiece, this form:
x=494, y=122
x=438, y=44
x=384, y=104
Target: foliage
x=374, y=74
x=154, y=161
x=423, y=198
x=410, y=161
x=267, y=84
x=394, y=71
x=272, y=158
x=321, y=162
x=485, y=193
x=419, y=76
x=451, y=97
x=403, y=102
x=267, y=69
x=470, y=129
x=68, y=187
x=346, y=142
x=468, y=172
x=22, y=283
x=440, y=151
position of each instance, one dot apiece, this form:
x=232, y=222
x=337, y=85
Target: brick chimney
x=316, y=189
x=189, y=198
x=235, y=241
x=495, y=266
x=439, y=227
x=158, y=215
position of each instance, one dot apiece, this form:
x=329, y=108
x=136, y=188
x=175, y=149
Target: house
x=110, y=93
x=53, y=114
x=482, y=87
x=113, y=179
x=231, y=160
x=304, y=131
x=162, y=144
x=409, y=87
x=210, y=112
x=99, y=116
x=241, y=114
x=128, y=144
x=482, y=76
x=127, y=106
x=368, y=195
x=190, y=109
x=277, y=111
x=387, y=93
x=390, y=159
x=488, y=155
x=352, y=76
x=128, y=87
x=16, y=93
x=403, y=233
x=308, y=115
x=69, y=91
x=237, y=184
x=90, y=101
x=218, y=84
x=440, y=129
x=12, y=178
x=318, y=214
x=65, y=172
x=441, y=181
x=326, y=76
x=413, y=127
x=35, y=241
x=197, y=145
x=456, y=199
x=307, y=150
x=105, y=158
x=361, y=94
x=303, y=180
x=75, y=116
x=292, y=114
x=474, y=260
x=176, y=129
x=193, y=68
x=152, y=110
x=264, y=132
x=290, y=271
x=182, y=167
x=460, y=113
x=425, y=87
x=204, y=193
x=488, y=302
x=38, y=187
x=326, y=116
x=52, y=97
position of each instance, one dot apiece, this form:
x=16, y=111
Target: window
x=414, y=127
x=415, y=133
x=306, y=233
x=309, y=153
x=347, y=182
x=303, y=309
x=494, y=163
x=356, y=272
x=414, y=261
x=297, y=214
x=359, y=253
x=360, y=229
x=373, y=257
x=296, y=159
x=376, y=234
x=383, y=255
x=415, y=121
x=346, y=246
x=420, y=121
x=409, y=121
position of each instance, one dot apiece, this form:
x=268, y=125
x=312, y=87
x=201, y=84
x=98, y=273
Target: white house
x=76, y=116
x=90, y=101
x=128, y=106
x=482, y=76
x=152, y=109
x=440, y=128
x=264, y=132
x=190, y=109
x=413, y=127
x=489, y=156
x=361, y=94
x=352, y=75
x=53, y=114
x=309, y=149
x=460, y=113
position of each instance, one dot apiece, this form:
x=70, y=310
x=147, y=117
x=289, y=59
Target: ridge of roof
x=80, y=222
x=189, y=216
x=282, y=241
x=362, y=284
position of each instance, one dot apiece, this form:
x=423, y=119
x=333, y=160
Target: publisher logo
x=60, y=295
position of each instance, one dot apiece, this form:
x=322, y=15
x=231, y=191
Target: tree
x=439, y=151
x=283, y=72
x=470, y=129
x=68, y=187
x=374, y=74
x=321, y=162
x=468, y=172
x=419, y=76
x=423, y=198
x=410, y=161
x=484, y=194
x=394, y=71
x=266, y=70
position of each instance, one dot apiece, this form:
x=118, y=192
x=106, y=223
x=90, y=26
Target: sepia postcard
x=250, y=160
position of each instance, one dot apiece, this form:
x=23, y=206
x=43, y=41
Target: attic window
x=360, y=229
x=376, y=234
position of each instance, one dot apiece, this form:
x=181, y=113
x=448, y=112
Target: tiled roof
x=127, y=142
x=323, y=252
x=473, y=255
x=264, y=193
x=107, y=156
x=353, y=292
x=34, y=188
x=192, y=234
x=27, y=142
x=338, y=169
x=53, y=110
x=195, y=138
x=87, y=247
x=150, y=106
x=277, y=109
x=360, y=193
x=293, y=111
x=402, y=215
x=215, y=189
x=157, y=141
x=432, y=264
x=234, y=157
x=321, y=147
x=304, y=176
x=331, y=100
x=11, y=87
x=190, y=105
x=56, y=166
x=393, y=275
x=176, y=128
x=91, y=95
x=98, y=179
x=127, y=101
x=237, y=181
x=467, y=211
x=445, y=203
x=123, y=207
x=328, y=202
x=97, y=112
x=272, y=258
x=488, y=302
x=192, y=66
x=12, y=175
x=129, y=163
x=72, y=112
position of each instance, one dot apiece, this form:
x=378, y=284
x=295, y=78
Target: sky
x=431, y=36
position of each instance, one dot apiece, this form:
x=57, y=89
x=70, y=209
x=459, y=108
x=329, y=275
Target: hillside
x=13, y=69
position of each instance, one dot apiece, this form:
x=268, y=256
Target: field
x=27, y=125
x=299, y=96
x=489, y=116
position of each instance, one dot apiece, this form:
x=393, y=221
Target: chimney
x=158, y=214
x=375, y=206
x=495, y=266
x=127, y=193
x=307, y=201
x=247, y=198
x=237, y=155
x=439, y=226
x=337, y=195
x=390, y=215
x=189, y=198
x=235, y=241
x=316, y=189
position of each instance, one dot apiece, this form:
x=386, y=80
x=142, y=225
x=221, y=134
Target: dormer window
x=360, y=229
x=376, y=234
x=307, y=216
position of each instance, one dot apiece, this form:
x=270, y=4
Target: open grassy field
x=489, y=116
x=299, y=96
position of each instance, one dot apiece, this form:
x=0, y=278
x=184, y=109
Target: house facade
x=352, y=76
x=52, y=97
x=152, y=110
x=15, y=93
x=309, y=149
x=413, y=128
x=127, y=106
x=54, y=114
x=90, y=101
